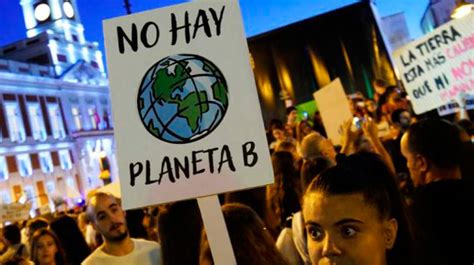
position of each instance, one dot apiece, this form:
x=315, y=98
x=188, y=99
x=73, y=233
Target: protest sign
x=439, y=67
x=448, y=109
x=469, y=101
x=186, y=112
x=14, y=212
x=453, y=107
x=334, y=108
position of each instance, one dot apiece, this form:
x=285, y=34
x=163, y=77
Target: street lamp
x=462, y=9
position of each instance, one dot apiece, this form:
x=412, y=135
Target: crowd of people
x=397, y=191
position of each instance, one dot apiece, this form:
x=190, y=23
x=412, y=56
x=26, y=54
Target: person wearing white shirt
x=108, y=218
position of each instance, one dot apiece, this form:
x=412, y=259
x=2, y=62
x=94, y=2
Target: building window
x=70, y=182
x=62, y=58
x=57, y=125
x=15, y=123
x=106, y=120
x=94, y=117
x=50, y=187
x=37, y=122
x=30, y=196
x=46, y=162
x=65, y=159
x=71, y=189
x=24, y=164
x=5, y=196
x=75, y=38
x=76, y=113
x=3, y=169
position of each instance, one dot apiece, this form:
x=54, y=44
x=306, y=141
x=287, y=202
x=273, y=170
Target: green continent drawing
x=182, y=98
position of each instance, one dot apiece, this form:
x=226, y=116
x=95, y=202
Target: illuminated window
x=50, y=187
x=76, y=113
x=65, y=159
x=3, y=169
x=70, y=182
x=37, y=122
x=15, y=123
x=94, y=117
x=57, y=125
x=107, y=145
x=30, y=196
x=46, y=162
x=5, y=197
x=24, y=164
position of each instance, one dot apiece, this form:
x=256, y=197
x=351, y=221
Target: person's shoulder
x=92, y=258
x=142, y=243
x=150, y=248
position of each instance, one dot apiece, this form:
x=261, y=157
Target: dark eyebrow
x=348, y=220
x=113, y=205
x=311, y=223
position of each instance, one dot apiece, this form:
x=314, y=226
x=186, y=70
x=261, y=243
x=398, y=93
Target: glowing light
x=42, y=12
x=252, y=61
x=98, y=146
x=267, y=91
x=320, y=71
x=68, y=9
x=22, y=199
x=462, y=10
x=285, y=80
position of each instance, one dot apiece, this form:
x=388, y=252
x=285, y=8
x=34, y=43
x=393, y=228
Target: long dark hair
x=68, y=232
x=286, y=192
x=59, y=257
x=367, y=174
x=251, y=241
x=179, y=229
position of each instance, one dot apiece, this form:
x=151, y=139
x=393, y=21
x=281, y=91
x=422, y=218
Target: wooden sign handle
x=219, y=241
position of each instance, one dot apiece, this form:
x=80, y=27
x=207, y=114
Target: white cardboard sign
x=14, y=212
x=186, y=112
x=439, y=67
x=453, y=106
x=334, y=108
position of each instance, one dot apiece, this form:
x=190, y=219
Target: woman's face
x=46, y=250
x=346, y=230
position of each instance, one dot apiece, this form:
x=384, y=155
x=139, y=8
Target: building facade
x=395, y=29
x=56, y=141
x=437, y=13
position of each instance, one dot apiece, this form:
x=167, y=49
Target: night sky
x=259, y=15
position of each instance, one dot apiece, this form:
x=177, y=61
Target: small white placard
x=334, y=108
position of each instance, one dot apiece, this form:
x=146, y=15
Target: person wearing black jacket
x=443, y=202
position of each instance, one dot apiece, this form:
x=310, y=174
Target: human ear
x=390, y=232
x=423, y=166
